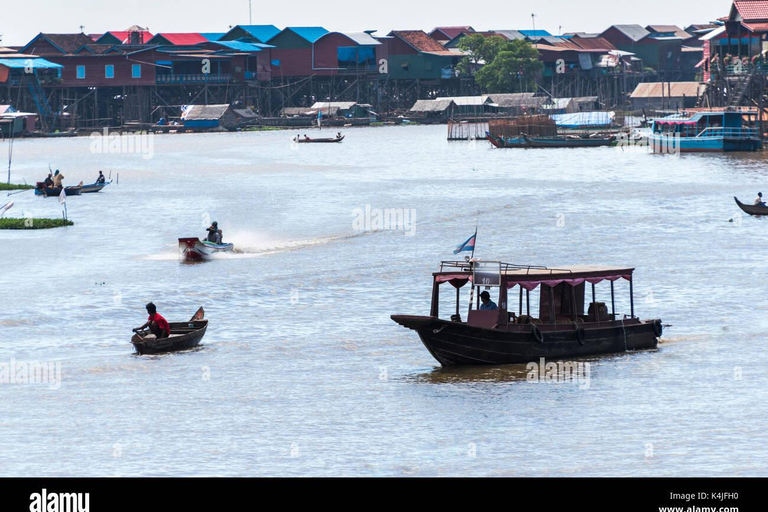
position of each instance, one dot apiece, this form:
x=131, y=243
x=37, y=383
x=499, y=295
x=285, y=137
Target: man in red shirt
x=156, y=323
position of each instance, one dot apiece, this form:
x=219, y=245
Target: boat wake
x=252, y=244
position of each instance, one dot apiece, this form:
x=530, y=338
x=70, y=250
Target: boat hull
x=184, y=336
x=752, y=209
x=320, y=141
x=95, y=187
x=56, y=191
x=456, y=343
x=670, y=145
x=548, y=142
x=192, y=249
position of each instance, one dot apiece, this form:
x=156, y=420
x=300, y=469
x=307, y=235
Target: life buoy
x=657, y=328
x=537, y=334
x=579, y=333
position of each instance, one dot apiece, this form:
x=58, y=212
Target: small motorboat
x=42, y=190
x=95, y=187
x=184, y=335
x=752, y=209
x=304, y=140
x=193, y=249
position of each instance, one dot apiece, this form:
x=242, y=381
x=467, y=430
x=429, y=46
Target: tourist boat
x=42, y=190
x=192, y=249
x=184, y=335
x=705, y=131
x=553, y=325
x=752, y=209
x=525, y=141
x=95, y=187
x=304, y=140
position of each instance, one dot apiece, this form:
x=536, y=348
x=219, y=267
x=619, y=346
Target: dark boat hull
x=96, y=187
x=56, y=191
x=548, y=142
x=455, y=343
x=752, y=209
x=183, y=337
x=192, y=249
x=326, y=140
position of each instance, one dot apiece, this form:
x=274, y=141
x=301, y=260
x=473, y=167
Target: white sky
x=22, y=20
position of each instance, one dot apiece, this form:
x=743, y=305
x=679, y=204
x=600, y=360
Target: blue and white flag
x=469, y=245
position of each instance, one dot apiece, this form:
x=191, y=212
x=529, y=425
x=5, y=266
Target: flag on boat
x=469, y=245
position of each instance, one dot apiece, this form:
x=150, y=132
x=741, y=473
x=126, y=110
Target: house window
x=80, y=72
x=136, y=71
x=109, y=71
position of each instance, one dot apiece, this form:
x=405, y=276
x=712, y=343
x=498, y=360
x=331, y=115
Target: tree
x=480, y=50
x=513, y=69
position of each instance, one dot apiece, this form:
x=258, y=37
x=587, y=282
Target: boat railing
x=730, y=133
x=467, y=266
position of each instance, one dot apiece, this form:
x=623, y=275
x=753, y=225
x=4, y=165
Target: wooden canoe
x=184, y=336
x=751, y=208
x=95, y=187
x=42, y=190
x=304, y=140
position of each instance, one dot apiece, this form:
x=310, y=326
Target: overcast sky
x=22, y=20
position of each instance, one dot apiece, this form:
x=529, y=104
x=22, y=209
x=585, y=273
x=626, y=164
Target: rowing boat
x=192, y=249
x=42, y=190
x=304, y=140
x=95, y=187
x=752, y=209
x=184, y=335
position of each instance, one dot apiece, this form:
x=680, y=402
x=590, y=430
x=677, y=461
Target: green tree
x=514, y=68
x=480, y=50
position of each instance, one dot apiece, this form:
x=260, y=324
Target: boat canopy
x=530, y=277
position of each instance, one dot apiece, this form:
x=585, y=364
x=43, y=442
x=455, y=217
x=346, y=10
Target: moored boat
x=183, y=336
x=525, y=141
x=705, y=132
x=193, y=249
x=556, y=327
x=752, y=209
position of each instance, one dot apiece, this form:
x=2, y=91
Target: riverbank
x=34, y=223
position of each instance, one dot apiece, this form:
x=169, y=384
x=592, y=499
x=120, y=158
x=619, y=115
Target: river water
x=302, y=372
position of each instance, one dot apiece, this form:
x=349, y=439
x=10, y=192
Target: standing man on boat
x=487, y=303
x=759, y=199
x=156, y=323
x=214, y=233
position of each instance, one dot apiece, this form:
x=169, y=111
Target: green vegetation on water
x=15, y=186
x=34, y=223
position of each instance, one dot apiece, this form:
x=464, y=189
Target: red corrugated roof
x=757, y=27
x=183, y=38
x=419, y=40
x=752, y=9
x=593, y=43
x=452, y=32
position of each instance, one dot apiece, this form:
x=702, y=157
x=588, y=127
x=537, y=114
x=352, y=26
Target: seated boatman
x=156, y=323
x=49, y=180
x=759, y=199
x=487, y=303
x=101, y=179
x=214, y=233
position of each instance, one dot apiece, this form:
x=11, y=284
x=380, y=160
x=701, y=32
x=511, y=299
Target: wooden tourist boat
x=525, y=141
x=306, y=140
x=94, y=187
x=559, y=330
x=184, y=335
x=705, y=132
x=193, y=249
x=42, y=190
x=751, y=209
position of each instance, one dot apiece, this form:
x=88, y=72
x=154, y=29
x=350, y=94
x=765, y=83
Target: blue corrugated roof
x=311, y=34
x=242, y=46
x=32, y=63
x=261, y=32
x=212, y=36
x=535, y=33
